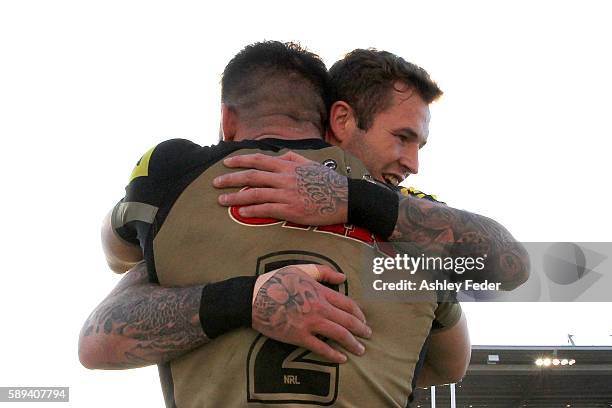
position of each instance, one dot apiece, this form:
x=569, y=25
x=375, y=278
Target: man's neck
x=286, y=136
x=282, y=129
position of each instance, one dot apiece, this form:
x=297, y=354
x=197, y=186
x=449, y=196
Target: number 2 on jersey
x=282, y=373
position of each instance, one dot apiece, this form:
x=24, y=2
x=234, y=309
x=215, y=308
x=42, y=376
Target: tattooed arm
x=140, y=323
x=295, y=189
x=292, y=188
x=435, y=229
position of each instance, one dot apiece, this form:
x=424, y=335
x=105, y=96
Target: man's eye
x=402, y=138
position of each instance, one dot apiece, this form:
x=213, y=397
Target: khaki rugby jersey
x=171, y=210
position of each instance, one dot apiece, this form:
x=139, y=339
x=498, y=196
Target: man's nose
x=410, y=158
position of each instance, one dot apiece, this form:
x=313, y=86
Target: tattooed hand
x=320, y=188
x=141, y=323
x=289, y=187
x=289, y=305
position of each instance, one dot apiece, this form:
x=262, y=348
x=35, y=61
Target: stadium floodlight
x=545, y=361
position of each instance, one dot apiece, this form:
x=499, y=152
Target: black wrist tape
x=227, y=305
x=372, y=206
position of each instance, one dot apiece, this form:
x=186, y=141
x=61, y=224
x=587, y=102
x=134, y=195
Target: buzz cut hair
x=277, y=78
x=365, y=79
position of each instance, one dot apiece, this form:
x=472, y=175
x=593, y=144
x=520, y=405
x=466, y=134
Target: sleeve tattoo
x=142, y=323
x=433, y=228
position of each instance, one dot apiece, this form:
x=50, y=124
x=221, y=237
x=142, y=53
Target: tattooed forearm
x=282, y=301
x=322, y=189
x=141, y=323
x=436, y=229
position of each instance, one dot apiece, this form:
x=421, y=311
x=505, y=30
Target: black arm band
x=372, y=207
x=227, y=305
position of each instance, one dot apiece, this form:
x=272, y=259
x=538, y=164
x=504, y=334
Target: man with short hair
x=380, y=113
x=166, y=250
x=388, y=97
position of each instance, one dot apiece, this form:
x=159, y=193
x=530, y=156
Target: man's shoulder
x=171, y=157
x=176, y=154
x=174, y=159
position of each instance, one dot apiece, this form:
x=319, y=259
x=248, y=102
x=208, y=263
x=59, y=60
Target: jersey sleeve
x=411, y=191
x=446, y=315
x=147, y=184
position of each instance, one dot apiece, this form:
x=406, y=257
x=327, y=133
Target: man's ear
x=229, y=122
x=342, y=123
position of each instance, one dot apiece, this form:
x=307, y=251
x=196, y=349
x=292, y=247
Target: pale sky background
x=521, y=134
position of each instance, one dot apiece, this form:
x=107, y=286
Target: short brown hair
x=365, y=78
